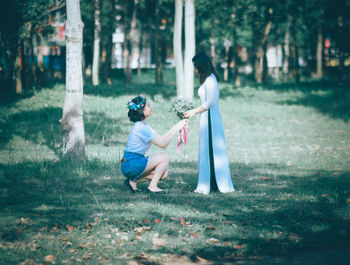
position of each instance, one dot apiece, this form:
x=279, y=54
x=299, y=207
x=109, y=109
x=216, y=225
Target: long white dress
x=209, y=94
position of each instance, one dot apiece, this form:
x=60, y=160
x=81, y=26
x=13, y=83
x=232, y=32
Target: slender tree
x=190, y=47
x=97, y=39
x=177, y=45
x=72, y=118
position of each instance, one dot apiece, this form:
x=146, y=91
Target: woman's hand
x=189, y=114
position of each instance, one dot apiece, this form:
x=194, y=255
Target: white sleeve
x=209, y=87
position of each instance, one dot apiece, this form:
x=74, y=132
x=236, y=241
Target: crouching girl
x=137, y=167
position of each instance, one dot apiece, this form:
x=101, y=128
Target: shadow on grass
x=324, y=96
x=42, y=126
x=120, y=89
x=283, y=214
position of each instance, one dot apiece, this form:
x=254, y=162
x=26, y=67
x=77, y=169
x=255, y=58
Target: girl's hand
x=189, y=114
x=182, y=124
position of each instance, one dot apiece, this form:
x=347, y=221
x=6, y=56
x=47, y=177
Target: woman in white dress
x=213, y=163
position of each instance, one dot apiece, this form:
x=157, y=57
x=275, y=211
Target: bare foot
x=133, y=185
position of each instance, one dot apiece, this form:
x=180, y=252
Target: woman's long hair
x=204, y=66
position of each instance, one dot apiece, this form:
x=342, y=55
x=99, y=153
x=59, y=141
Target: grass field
x=289, y=151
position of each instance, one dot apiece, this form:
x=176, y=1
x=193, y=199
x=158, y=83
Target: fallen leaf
x=212, y=227
x=265, y=178
x=54, y=229
x=227, y=222
x=147, y=220
x=348, y=200
x=70, y=228
x=84, y=245
x=103, y=260
x=157, y=241
x=201, y=260
x=239, y=246
x=25, y=220
x=87, y=255
x=157, y=221
x=50, y=258
x=73, y=250
x=27, y=262
x=65, y=239
x=212, y=241
x=182, y=221
x=324, y=195
x=194, y=234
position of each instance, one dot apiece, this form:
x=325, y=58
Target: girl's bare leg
x=156, y=169
x=149, y=174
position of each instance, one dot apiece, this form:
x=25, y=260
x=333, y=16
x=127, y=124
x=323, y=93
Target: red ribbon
x=182, y=138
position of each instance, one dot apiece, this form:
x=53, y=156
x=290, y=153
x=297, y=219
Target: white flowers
x=180, y=105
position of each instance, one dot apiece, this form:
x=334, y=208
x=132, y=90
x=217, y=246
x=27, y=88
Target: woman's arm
x=209, y=87
x=190, y=113
x=163, y=140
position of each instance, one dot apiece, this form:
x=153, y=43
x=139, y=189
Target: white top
x=209, y=92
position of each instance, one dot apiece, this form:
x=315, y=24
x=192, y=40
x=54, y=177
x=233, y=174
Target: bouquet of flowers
x=180, y=105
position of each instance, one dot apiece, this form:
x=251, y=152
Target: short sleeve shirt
x=139, y=140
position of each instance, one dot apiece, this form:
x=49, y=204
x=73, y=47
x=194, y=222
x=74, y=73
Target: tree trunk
x=158, y=47
x=96, y=55
x=72, y=118
x=286, y=50
x=212, y=46
x=126, y=46
x=177, y=43
x=190, y=47
x=108, y=46
x=140, y=51
x=294, y=52
x=34, y=48
x=261, y=55
x=18, y=71
x=265, y=74
x=134, y=37
x=319, y=56
x=227, y=63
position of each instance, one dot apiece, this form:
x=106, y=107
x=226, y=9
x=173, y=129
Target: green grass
x=289, y=153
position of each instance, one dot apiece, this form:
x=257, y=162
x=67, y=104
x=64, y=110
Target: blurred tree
x=190, y=47
x=108, y=22
x=157, y=44
x=184, y=65
x=72, y=118
x=97, y=40
x=177, y=46
x=20, y=22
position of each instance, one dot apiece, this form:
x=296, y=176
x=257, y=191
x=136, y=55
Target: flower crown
x=133, y=106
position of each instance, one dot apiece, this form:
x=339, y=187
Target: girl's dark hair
x=136, y=114
x=204, y=66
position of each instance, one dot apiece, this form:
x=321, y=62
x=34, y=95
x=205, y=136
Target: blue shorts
x=133, y=165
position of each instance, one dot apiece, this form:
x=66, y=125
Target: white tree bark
x=177, y=43
x=134, y=37
x=72, y=119
x=190, y=47
x=96, y=55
